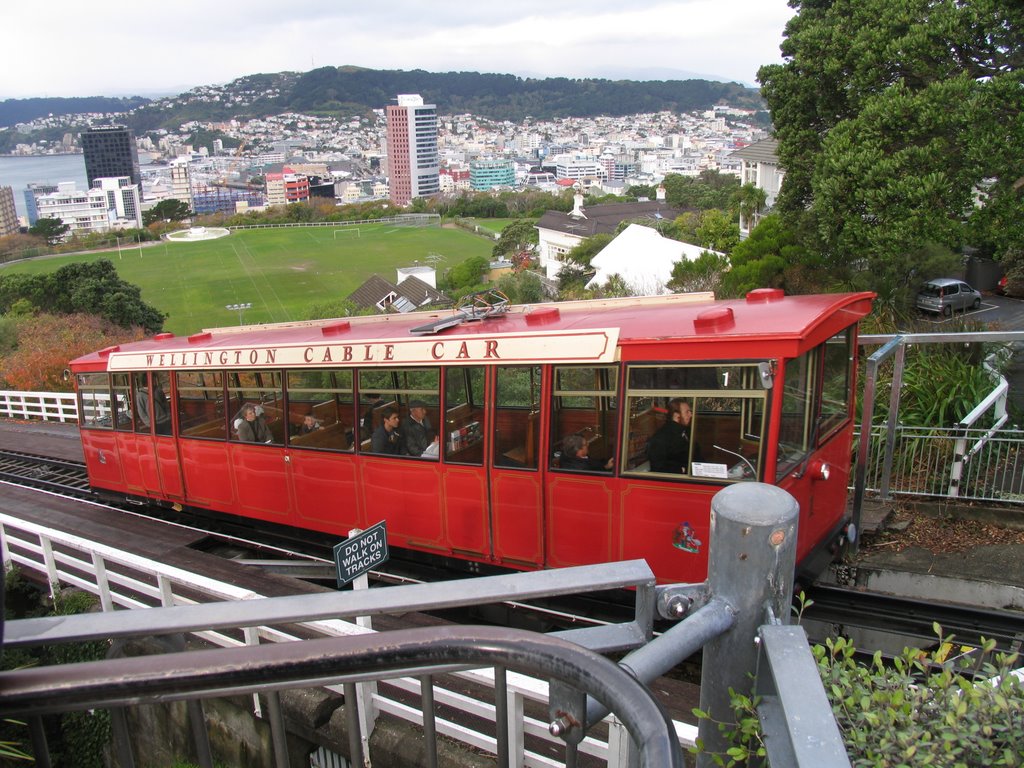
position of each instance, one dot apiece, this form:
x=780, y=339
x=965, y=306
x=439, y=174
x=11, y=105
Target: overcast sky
x=122, y=47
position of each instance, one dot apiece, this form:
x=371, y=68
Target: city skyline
x=195, y=44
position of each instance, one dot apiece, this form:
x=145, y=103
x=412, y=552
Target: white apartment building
x=124, y=201
x=83, y=212
x=578, y=167
x=113, y=203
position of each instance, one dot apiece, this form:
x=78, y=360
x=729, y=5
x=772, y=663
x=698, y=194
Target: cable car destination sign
x=585, y=345
x=361, y=553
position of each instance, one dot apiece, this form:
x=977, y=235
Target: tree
x=50, y=229
x=892, y=121
x=701, y=274
x=717, y=231
x=522, y=287
x=167, y=210
x=468, y=273
x=520, y=235
x=92, y=288
x=710, y=189
x=46, y=342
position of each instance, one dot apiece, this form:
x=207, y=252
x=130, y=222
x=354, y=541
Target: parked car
x=945, y=295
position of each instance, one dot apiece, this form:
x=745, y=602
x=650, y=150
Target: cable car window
x=121, y=389
x=517, y=416
x=200, y=404
x=321, y=409
x=711, y=429
x=149, y=410
x=400, y=389
x=794, y=426
x=257, y=399
x=836, y=383
x=94, y=401
x=584, y=415
x=464, y=415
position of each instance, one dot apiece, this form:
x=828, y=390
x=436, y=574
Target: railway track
x=284, y=550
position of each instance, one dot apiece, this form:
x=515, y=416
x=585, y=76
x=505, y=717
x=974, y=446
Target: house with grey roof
x=559, y=232
x=759, y=165
x=410, y=294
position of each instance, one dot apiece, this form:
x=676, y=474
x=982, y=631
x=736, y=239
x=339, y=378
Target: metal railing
x=750, y=580
x=936, y=463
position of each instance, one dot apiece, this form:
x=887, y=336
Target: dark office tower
x=111, y=152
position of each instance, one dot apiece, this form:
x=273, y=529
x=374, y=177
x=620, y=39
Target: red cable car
x=523, y=437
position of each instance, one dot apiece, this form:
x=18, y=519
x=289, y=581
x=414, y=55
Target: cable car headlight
x=820, y=470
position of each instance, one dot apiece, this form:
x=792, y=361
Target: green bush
x=954, y=707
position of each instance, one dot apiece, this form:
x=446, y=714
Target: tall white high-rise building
x=413, y=166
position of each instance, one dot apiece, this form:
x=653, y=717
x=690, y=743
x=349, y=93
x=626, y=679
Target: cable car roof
x=578, y=331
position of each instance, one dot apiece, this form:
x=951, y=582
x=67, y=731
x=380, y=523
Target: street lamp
x=240, y=308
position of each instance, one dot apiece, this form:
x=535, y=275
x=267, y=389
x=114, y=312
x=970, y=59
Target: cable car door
x=516, y=490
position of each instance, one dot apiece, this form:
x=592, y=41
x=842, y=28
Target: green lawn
x=281, y=272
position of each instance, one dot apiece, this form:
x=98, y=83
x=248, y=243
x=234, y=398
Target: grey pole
x=751, y=561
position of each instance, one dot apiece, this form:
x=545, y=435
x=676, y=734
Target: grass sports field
x=281, y=272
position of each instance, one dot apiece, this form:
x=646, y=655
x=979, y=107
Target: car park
x=945, y=296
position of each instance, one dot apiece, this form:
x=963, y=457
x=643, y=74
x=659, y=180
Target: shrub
x=956, y=707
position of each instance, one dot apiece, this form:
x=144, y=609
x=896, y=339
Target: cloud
x=149, y=48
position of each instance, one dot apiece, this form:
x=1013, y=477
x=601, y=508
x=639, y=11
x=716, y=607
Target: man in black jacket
x=669, y=447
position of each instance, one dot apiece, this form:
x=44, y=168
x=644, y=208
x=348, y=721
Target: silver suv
x=945, y=295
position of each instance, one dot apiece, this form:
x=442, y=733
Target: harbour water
x=18, y=172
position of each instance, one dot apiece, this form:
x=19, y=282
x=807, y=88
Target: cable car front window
x=94, y=401
x=725, y=407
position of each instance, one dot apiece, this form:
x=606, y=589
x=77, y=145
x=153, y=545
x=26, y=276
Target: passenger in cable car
x=309, y=424
x=251, y=426
x=417, y=432
x=576, y=455
x=669, y=447
x=387, y=438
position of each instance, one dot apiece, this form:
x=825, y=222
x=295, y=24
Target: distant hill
x=347, y=91
x=14, y=111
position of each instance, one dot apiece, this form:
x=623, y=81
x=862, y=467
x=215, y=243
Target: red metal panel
x=325, y=491
x=130, y=448
x=204, y=468
x=102, y=460
x=260, y=480
x=653, y=527
x=168, y=468
x=517, y=512
x=407, y=494
x=466, y=518
x=581, y=520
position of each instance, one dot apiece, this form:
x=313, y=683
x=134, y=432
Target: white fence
x=47, y=406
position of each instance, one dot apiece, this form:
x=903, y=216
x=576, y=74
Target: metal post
x=355, y=742
x=867, y=412
x=278, y=733
x=751, y=563
x=890, y=426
